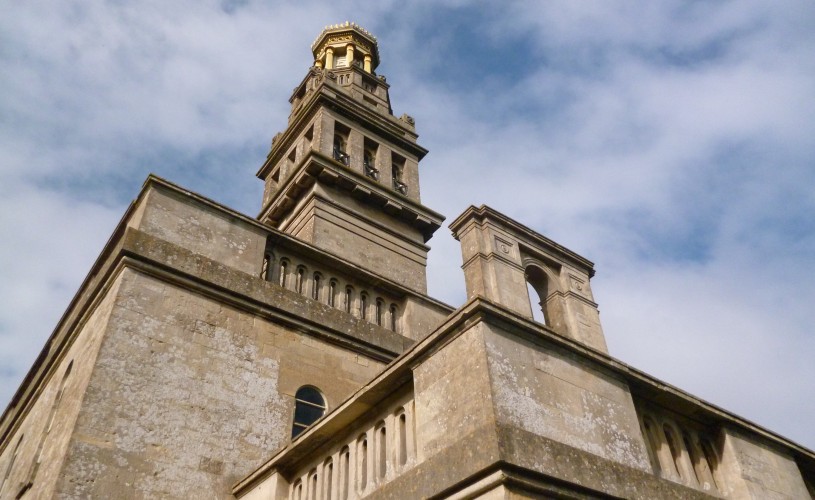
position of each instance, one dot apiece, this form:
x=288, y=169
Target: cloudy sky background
x=670, y=142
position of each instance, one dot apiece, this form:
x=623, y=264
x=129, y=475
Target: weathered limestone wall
x=334, y=221
x=35, y=431
x=554, y=394
x=453, y=395
x=756, y=470
x=421, y=317
x=201, y=229
x=188, y=395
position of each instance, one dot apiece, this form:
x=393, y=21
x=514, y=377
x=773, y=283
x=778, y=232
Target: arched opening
x=345, y=473
x=349, y=299
x=332, y=292
x=362, y=453
x=651, y=443
x=363, y=305
x=313, y=480
x=380, y=309
x=537, y=286
x=284, y=272
x=340, y=149
x=309, y=406
x=393, y=317
x=712, y=462
x=316, y=283
x=328, y=467
x=300, y=280
x=402, y=423
x=381, y=450
x=676, y=453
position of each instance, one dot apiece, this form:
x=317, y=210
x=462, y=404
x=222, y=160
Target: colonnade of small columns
x=350, y=50
x=373, y=456
x=330, y=290
x=679, y=453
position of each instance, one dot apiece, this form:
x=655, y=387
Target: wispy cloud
x=669, y=142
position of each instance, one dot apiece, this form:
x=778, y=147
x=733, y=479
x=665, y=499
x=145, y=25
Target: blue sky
x=669, y=142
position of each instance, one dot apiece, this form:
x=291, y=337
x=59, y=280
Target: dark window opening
x=397, y=172
x=393, y=317
x=369, y=159
x=380, y=305
x=341, y=144
x=309, y=406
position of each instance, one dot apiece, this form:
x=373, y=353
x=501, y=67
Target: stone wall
x=188, y=394
x=45, y=431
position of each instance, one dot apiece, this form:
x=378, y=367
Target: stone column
x=349, y=54
x=329, y=58
x=367, y=63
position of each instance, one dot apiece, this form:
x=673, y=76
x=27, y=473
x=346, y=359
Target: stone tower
x=344, y=175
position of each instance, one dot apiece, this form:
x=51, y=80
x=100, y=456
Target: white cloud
x=669, y=142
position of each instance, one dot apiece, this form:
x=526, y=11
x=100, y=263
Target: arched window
x=394, y=312
x=284, y=272
x=363, y=305
x=332, y=292
x=380, y=310
x=299, y=284
x=538, y=289
x=309, y=406
x=402, y=423
x=265, y=268
x=349, y=299
x=340, y=153
x=315, y=286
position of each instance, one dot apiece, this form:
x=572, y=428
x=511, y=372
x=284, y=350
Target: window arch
x=709, y=455
x=349, y=299
x=309, y=406
x=380, y=311
x=651, y=443
x=266, y=267
x=300, y=279
x=538, y=285
x=363, y=305
x=394, y=317
x=284, y=272
x=332, y=292
x=676, y=452
x=316, y=284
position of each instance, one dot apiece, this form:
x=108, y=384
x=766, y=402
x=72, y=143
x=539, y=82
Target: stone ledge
x=180, y=266
x=316, y=166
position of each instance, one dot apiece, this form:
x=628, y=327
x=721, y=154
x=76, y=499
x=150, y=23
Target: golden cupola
x=345, y=45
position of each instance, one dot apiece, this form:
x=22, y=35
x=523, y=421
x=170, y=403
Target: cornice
x=526, y=236
x=316, y=166
x=332, y=96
